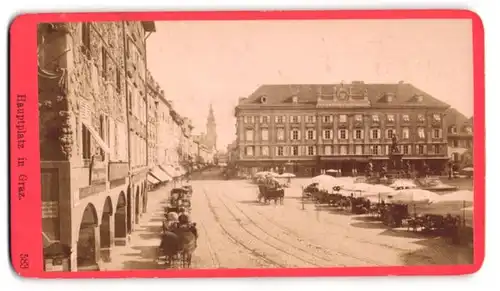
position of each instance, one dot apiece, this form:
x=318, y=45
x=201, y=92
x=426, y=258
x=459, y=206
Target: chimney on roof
x=401, y=82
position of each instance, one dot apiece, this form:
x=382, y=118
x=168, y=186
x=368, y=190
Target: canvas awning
x=102, y=144
x=159, y=174
x=169, y=170
x=152, y=179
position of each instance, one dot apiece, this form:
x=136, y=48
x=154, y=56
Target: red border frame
x=25, y=214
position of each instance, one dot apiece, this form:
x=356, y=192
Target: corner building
x=92, y=138
x=304, y=129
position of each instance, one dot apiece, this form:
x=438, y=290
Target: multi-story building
x=232, y=153
x=460, y=138
x=153, y=94
x=306, y=128
x=156, y=96
x=88, y=103
x=169, y=134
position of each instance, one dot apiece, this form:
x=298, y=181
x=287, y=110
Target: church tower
x=211, y=137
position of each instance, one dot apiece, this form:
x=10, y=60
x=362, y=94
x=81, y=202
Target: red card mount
x=55, y=138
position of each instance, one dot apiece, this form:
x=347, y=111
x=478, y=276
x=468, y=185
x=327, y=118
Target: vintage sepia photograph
x=256, y=144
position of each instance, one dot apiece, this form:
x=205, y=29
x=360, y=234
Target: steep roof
x=282, y=94
x=456, y=118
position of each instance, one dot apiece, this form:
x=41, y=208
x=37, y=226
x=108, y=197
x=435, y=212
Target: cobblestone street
x=238, y=232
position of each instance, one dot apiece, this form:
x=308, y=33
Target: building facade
x=92, y=101
x=460, y=138
x=306, y=128
x=154, y=94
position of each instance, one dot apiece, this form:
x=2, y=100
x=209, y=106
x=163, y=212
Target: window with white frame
x=294, y=119
x=279, y=119
x=295, y=134
x=468, y=129
x=375, y=149
x=406, y=149
x=328, y=150
x=406, y=118
x=310, y=150
x=264, y=134
x=375, y=133
x=375, y=118
x=343, y=150
x=310, y=119
x=343, y=118
x=249, y=135
x=437, y=149
x=389, y=133
x=280, y=134
x=421, y=132
x=436, y=133
x=436, y=117
x=310, y=134
x=390, y=118
x=358, y=134
x=327, y=119
x=327, y=134
x=295, y=150
x=249, y=151
x=280, y=151
x=421, y=118
x=264, y=119
x=358, y=150
x=358, y=117
x=343, y=134
x=420, y=149
x=405, y=133
x=453, y=129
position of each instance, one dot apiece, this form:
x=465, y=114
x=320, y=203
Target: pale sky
x=202, y=62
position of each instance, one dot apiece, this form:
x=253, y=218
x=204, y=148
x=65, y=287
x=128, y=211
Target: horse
x=188, y=236
x=169, y=247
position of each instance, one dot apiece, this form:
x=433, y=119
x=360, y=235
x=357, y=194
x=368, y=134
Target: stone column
x=73, y=256
x=97, y=245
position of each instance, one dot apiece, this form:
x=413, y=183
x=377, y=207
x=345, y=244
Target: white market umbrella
x=322, y=178
x=468, y=169
x=287, y=175
x=325, y=182
x=359, y=187
x=262, y=173
x=457, y=196
x=403, y=184
x=452, y=203
x=408, y=196
x=379, y=191
x=332, y=171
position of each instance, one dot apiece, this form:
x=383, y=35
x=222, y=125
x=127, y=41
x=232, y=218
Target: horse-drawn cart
x=271, y=192
x=179, y=234
x=177, y=246
x=180, y=198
